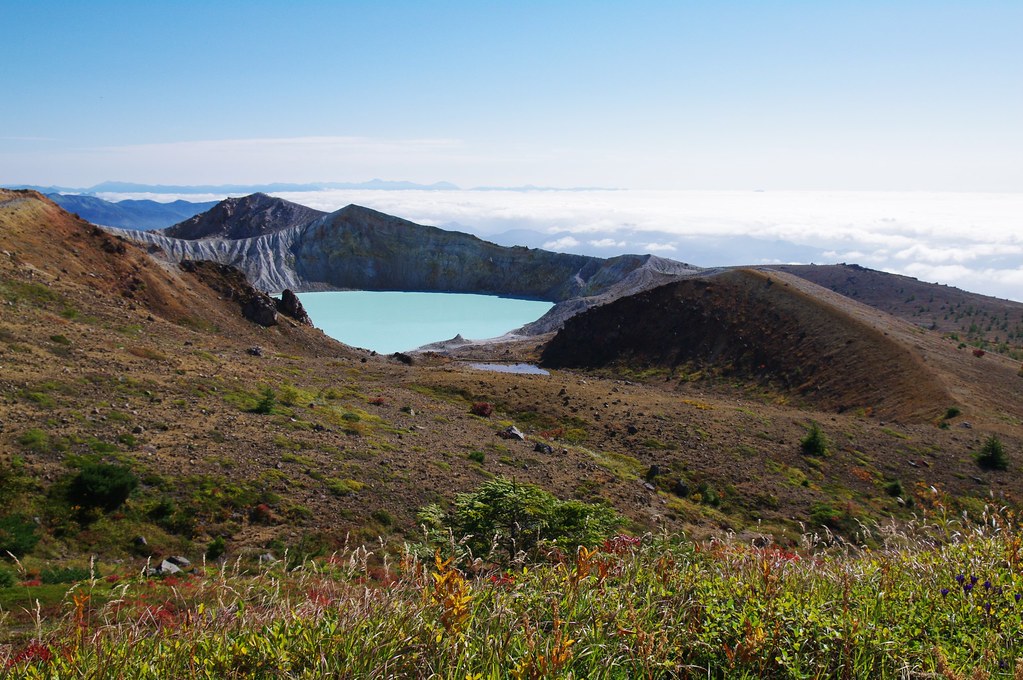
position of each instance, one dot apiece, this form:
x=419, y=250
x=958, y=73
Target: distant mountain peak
x=244, y=217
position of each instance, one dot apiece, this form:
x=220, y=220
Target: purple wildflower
x=967, y=587
x=959, y=578
x=973, y=580
x=944, y=592
x=987, y=585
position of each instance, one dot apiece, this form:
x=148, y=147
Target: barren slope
x=977, y=319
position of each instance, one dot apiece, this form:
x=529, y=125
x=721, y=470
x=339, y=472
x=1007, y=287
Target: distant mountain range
x=274, y=187
x=129, y=214
x=136, y=188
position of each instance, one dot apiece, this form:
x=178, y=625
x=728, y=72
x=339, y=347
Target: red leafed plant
x=482, y=408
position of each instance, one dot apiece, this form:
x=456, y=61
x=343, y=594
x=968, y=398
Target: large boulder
x=260, y=309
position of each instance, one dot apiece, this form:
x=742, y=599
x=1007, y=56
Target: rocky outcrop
x=230, y=283
x=290, y=305
x=260, y=309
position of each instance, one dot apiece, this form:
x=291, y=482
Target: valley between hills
x=678, y=396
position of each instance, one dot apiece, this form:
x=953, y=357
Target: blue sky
x=667, y=95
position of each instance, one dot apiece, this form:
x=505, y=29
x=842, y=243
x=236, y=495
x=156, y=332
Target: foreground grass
x=943, y=602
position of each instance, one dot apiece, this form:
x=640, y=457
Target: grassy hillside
x=143, y=417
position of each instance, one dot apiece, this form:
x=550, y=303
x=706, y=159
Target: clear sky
x=855, y=95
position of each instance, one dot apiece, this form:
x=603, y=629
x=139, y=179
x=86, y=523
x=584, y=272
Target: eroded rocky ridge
x=362, y=249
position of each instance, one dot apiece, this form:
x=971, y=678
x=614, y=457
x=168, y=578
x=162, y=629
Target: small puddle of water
x=528, y=369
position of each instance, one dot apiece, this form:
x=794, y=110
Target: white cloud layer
x=563, y=243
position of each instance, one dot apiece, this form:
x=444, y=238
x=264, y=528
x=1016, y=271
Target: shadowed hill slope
x=756, y=325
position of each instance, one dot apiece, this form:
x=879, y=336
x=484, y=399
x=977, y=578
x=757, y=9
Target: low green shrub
x=513, y=517
x=102, y=485
x=64, y=575
x=17, y=535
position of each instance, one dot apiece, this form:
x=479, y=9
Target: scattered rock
x=632, y=429
x=649, y=487
x=267, y=558
x=681, y=489
x=140, y=541
x=165, y=568
x=179, y=561
x=403, y=358
x=512, y=432
x=966, y=425
x=255, y=351
x=138, y=429
x=654, y=471
x=540, y=447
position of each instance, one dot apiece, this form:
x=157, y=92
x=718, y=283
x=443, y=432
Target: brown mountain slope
x=159, y=377
x=767, y=327
x=981, y=320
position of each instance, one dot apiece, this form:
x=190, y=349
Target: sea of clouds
x=970, y=240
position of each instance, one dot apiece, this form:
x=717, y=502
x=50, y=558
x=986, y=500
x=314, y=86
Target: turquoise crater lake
x=391, y=322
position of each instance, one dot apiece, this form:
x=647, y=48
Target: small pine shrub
x=102, y=485
x=893, y=488
x=216, y=548
x=477, y=456
x=266, y=404
x=814, y=443
x=17, y=535
x=952, y=412
x=482, y=409
x=992, y=455
x=7, y=578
